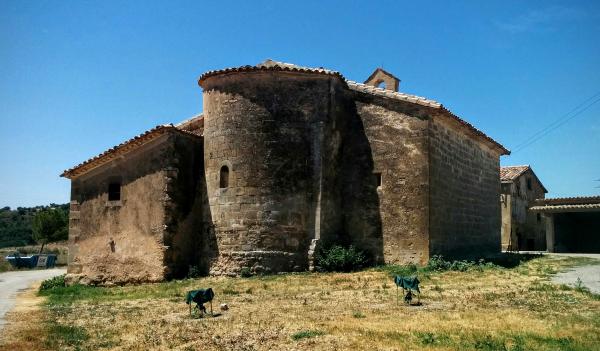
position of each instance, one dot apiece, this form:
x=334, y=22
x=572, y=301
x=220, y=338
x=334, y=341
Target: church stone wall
x=464, y=193
x=135, y=223
x=390, y=140
x=273, y=132
x=148, y=225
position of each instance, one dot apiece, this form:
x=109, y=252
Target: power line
x=553, y=126
x=558, y=120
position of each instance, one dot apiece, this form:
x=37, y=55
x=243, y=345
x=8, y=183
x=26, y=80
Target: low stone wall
x=258, y=262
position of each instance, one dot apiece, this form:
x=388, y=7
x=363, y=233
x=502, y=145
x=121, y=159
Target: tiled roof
x=121, y=149
x=566, y=208
x=579, y=200
x=270, y=65
x=194, y=125
x=510, y=173
x=369, y=89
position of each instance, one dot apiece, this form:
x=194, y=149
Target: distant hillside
x=15, y=225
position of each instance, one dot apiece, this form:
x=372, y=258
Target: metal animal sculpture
x=407, y=283
x=200, y=297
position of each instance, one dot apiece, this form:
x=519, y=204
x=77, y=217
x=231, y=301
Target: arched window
x=381, y=84
x=224, y=177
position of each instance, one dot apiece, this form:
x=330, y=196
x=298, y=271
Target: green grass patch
x=358, y=314
x=304, y=334
x=60, y=336
x=427, y=338
x=229, y=291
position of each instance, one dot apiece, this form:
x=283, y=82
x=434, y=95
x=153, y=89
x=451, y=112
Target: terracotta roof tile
x=510, y=173
x=363, y=88
x=566, y=208
x=121, y=149
x=578, y=200
x=269, y=65
x=194, y=125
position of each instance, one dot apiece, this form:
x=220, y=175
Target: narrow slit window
x=378, y=179
x=114, y=191
x=224, y=177
x=528, y=183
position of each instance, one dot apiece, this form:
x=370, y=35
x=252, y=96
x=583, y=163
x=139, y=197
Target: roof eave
x=125, y=147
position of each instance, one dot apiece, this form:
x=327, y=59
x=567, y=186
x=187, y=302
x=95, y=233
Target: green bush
x=307, y=334
x=439, y=264
x=56, y=282
x=245, y=272
x=339, y=258
x=194, y=272
x=4, y=265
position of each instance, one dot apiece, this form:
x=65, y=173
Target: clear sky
x=78, y=77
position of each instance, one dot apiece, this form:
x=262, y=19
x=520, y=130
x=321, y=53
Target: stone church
x=285, y=159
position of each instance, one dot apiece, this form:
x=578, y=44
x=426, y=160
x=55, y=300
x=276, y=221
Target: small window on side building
x=528, y=183
x=539, y=217
x=378, y=179
x=224, y=177
x=114, y=191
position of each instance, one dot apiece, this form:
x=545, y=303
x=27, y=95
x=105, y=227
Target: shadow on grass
x=511, y=259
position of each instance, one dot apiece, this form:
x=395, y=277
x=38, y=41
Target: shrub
x=245, y=272
x=56, y=282
x=306, y=334
x=439, y=264
x=4, y=265
x=338, y=258
x=194, y=272
x=358, y=314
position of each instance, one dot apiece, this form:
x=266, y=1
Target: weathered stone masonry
x=285, y=159
x=464, y=188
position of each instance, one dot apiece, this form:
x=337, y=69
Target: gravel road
x=11, y=283
x=589, y=274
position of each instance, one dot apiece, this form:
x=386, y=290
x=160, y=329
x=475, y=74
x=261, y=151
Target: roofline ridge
x=108, y=152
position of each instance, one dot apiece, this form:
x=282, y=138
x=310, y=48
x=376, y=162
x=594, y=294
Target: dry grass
x=25, y=330
x=493, y=309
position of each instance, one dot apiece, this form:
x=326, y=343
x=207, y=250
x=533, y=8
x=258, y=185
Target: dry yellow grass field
x=480, y=309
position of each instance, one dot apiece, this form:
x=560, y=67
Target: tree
x=50, y=225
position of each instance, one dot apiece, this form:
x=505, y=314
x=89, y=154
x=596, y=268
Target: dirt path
x=589, y=274
x=11, y=283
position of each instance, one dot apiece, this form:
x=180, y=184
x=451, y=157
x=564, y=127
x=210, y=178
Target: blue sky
x=79, y=77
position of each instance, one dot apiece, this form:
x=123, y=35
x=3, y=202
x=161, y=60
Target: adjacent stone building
x=285, y=159
x=572, y=223
x=522, y=229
